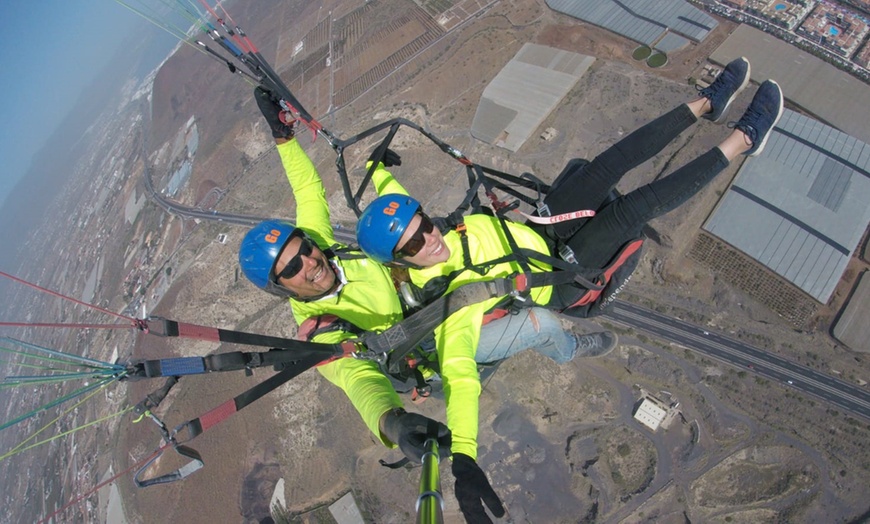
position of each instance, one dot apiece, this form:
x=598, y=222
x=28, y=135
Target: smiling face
x=310, y=274
x=425, y=241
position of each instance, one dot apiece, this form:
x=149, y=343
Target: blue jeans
x=532, y=328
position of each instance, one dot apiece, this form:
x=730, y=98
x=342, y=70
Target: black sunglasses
x=294, y=266
x=416, y=242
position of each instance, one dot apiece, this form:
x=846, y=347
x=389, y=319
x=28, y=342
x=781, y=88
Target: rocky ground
x=558, y=442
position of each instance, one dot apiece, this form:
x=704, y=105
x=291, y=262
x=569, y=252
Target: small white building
x=650, y=413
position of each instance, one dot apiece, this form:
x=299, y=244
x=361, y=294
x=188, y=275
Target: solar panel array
x=800, y=208
x=644, y=21
x=524, y=92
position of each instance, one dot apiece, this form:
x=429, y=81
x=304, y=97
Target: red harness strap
x=627, y=251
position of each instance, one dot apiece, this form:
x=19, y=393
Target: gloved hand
x=410, y=431
x=391, y=158
x=471, y=487
x=272, y=112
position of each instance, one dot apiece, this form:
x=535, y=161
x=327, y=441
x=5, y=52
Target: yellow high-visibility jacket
x=369, y=301
x=457, y=338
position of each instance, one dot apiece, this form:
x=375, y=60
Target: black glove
x=391, y=158
x=471, y=487
x=272, y=112
x=411, y=431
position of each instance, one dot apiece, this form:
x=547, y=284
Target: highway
x=343, y=235
x=845, y=396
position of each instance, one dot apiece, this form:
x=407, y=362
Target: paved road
x=847, y=397
x=343, y=235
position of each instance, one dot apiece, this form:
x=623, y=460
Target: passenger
x=394, y=229
x=305, y=264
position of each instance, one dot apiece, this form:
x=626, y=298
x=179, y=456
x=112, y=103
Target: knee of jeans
x=567, y=354
x=563, y=348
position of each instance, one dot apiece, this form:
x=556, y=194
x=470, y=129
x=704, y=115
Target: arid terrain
x=558, y=442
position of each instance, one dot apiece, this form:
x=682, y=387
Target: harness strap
x=193, y=465
x=401, y=338
x=197, y=426
x=627, y=251
x=211, y=418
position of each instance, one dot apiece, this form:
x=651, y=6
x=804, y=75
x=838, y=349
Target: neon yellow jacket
x=368, y=299
x=457, y=338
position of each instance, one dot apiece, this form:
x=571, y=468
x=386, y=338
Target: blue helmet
x=259, y=253
x=382, y=223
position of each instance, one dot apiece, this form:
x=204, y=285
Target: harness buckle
x=567, y=254
x=367, y=354
x=158, y=326
x=542, y=208
x=408, y=295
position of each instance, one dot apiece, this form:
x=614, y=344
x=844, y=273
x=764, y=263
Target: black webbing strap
x=220, y=413
x=194, y=464
x=170, y=328
x=232, y=361
x=568, y=272
x=283, y=352
x=401, y=338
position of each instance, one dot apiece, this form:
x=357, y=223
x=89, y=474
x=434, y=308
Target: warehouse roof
x=800, y=208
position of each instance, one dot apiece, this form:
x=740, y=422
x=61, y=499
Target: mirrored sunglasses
x=417, y=241
x=294, y=266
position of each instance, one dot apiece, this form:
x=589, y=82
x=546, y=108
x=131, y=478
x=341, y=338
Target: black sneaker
x=761, y=116
x=595, y=344
x=730, y=82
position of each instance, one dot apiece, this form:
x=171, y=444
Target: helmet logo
x=273, y=235
x=391, y=210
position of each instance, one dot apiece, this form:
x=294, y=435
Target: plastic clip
x=567, y=254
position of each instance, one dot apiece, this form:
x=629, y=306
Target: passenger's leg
x=531, y=328
x=589, y=186
x=539, y=329
x=597, y=242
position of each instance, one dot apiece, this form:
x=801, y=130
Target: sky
x=51, y=50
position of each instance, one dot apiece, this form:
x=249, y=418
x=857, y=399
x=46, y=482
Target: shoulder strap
x=340, y=252
x=313, y=326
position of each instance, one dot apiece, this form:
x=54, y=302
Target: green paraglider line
x=65, y=433
x=15, y=381
x=55, y=402
x=30, y=366
x=57, y=356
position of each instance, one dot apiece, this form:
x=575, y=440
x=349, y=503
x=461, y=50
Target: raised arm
x=312, y=210
x=383, y=180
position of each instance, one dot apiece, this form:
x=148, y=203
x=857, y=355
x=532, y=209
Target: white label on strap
x=585, y=213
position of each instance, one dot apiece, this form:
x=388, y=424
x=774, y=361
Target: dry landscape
x=558, y=442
